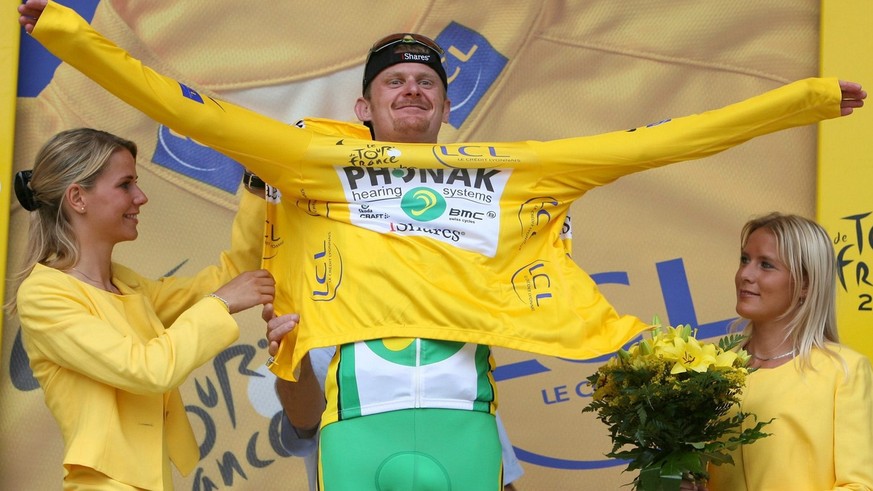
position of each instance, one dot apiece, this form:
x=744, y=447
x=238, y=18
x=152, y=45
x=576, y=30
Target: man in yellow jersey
x=514, y=289
x=404, y=99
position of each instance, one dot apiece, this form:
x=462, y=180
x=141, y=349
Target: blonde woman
x=108, y=346
x=818, y=392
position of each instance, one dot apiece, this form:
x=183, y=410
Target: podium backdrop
x=663, y=242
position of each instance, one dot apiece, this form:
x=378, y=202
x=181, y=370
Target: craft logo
x=364, y=211
x=423, y=204
x=854, y=250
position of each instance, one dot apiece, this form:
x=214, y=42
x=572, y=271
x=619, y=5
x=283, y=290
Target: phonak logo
x=457, y=206
x=423, y=204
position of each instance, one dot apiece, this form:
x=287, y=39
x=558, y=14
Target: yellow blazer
x=110, y=365
x=821, y=436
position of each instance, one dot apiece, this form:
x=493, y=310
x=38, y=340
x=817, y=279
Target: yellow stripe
x=846, y=166
x=9, y=39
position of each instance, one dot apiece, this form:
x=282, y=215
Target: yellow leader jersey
x=458, y=242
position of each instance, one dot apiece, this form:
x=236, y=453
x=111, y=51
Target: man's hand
x=303, y=400
x=853, y=97
x=30, y=12
x=277, y=327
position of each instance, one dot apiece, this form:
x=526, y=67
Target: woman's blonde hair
x=805, y=248
x=77, y=156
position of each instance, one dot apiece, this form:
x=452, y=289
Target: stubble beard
x=413, y=126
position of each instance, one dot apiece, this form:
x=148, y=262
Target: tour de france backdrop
x=660, y=243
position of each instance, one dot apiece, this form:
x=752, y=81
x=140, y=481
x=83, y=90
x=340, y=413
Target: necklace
x=777, y=357
x=95, y=282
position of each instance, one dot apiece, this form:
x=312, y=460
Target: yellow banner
x=845, y=206
x=663, y=242
x=8, y=82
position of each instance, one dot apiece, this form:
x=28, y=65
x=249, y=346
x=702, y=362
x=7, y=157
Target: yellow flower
x=726, y=359
x=646, y=347
x=639, y=392
x=685, y=352
x=743, y=357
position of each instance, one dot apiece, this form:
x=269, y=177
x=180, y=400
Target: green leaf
x=686, y=462
x=731, y=341
x=653, y=479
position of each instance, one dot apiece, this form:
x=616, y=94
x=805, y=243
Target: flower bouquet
x=667, y=402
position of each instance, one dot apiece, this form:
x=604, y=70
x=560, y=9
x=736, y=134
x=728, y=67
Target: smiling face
x=764, y=284
x=112, y=204
x=406, y=103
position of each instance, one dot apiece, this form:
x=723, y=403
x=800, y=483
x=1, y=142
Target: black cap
x=404, y=48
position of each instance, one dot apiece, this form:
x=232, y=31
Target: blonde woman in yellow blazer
x=816, y=393
x=108, y=346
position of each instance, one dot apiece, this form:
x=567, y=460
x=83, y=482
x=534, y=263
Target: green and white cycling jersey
x=376, y=376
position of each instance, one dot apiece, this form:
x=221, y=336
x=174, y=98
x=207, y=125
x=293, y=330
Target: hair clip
x=23, y=192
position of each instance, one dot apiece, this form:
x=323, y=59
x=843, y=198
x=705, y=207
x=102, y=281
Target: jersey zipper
x=416, y=380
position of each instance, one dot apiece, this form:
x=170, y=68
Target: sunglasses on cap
x=405, y=37
x=379, y=58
